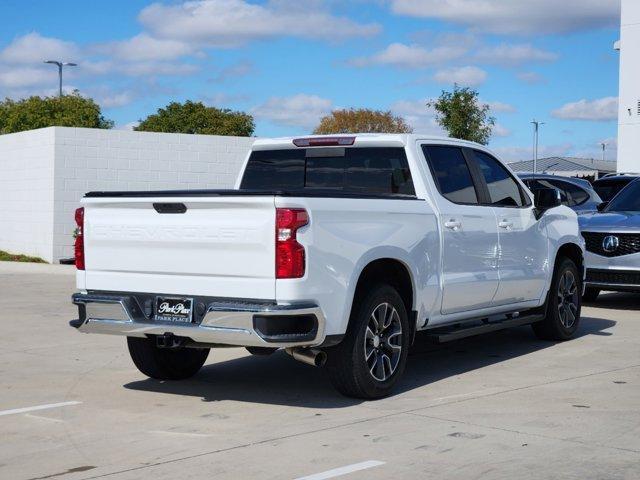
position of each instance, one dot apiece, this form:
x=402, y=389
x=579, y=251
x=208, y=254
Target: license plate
x=174, y=309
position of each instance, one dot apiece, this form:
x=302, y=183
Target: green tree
x=39, y=112
x=195, y=117
x=463, y=116
x=361, y=121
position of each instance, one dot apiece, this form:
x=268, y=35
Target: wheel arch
x=573, y=252
x=392, y=271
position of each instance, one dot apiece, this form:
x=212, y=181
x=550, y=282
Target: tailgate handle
x=170, y=207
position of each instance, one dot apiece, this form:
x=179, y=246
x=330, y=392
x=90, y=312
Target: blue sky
x=288, y=62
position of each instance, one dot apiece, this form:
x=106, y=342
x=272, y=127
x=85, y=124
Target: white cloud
x=465, y=76
x=522, y=17
x=33, y=48
x=602, y=109
x=411, y=56
x=127, y=126
x=514, y=55
x=499, y=106
x=501, y=131
x=594, y=150
x=516, y=154
x=115, y=99
x=144, y=47
x=15, y=77
x=236, y=70
x=420, y=116
x=235, y=22
x=296, y=111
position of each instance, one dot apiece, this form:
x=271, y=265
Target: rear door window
x=366, y=171
x=378, y=170
x=451, y=174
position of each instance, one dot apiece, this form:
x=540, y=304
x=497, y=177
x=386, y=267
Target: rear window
x=367, y=171
x=607, y=189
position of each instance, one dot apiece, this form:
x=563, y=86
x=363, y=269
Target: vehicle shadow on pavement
x=617, y=301
x=280, y=380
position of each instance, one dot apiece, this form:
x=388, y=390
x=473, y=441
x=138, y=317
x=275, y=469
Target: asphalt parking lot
x=503, y=405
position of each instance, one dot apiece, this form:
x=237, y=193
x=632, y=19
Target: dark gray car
x=576, y=193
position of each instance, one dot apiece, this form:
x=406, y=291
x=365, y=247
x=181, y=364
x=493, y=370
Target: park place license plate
x=177, y=310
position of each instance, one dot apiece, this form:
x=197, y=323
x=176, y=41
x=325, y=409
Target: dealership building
x=44, y=173
x=629, y=97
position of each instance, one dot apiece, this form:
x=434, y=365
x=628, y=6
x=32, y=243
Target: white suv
x=337, y=249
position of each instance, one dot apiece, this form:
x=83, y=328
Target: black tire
x=350, y=371
x=165, y=363
x=591, y=294
x=564, y=304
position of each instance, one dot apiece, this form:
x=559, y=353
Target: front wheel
x=165, y=363
x=371, y=358
x=564, y=304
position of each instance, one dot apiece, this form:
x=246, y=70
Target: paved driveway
x=500, y=406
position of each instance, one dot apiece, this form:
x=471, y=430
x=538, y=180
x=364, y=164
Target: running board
x=449, y=334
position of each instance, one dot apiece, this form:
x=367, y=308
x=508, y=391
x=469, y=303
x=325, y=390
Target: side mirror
x=602, y=206
x=546, y=199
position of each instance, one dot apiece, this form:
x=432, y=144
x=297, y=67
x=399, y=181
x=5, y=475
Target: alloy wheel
x=383, y=342
x=568, y=299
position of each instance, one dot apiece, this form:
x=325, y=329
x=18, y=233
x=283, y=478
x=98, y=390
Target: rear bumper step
x=223, y=323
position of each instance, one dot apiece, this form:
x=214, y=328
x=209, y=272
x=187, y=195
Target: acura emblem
x=610, y=243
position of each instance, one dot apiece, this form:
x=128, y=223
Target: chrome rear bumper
x=224, y=322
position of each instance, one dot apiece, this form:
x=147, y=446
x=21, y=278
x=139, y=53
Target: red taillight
x=79, y=245
x=324, y=142
x=290, y=255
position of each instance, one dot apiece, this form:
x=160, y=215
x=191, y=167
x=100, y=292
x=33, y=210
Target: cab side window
x=504, y=191
x=451, y=174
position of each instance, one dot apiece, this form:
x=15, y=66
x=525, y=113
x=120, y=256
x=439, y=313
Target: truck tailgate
x=220, y=246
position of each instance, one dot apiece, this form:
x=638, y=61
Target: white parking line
x=186, y=434
x=37, y=407
x=338, y=472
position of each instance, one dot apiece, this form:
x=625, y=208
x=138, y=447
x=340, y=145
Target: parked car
x=609, y=186
x=575, y=193
x=613, y=244
x=337, y=249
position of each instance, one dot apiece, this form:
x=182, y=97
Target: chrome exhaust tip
x=310, y=356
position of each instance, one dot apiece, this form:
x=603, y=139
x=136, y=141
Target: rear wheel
x=165, y=363
x=591, y=294
x=372, y=357
x=563, y=305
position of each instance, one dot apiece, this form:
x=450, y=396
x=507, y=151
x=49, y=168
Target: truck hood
x=610, y=221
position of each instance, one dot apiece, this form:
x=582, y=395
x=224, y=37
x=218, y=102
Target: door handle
x=453, y=224
x=507, y=225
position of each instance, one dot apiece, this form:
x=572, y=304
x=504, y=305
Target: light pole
x=536, y=129
x=60, y=65
x=604, y=150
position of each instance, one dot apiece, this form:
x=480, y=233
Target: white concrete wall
x=26, y=192
x=79, y=160
x=629, y=115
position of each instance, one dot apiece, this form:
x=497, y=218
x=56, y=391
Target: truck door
x=469, y=230
x=523, y=254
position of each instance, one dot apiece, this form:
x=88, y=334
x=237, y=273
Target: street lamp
x=604, y=150
x=60, y=65
x=536, y=129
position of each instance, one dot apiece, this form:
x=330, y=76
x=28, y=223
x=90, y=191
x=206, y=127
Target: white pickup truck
x=337, y=249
